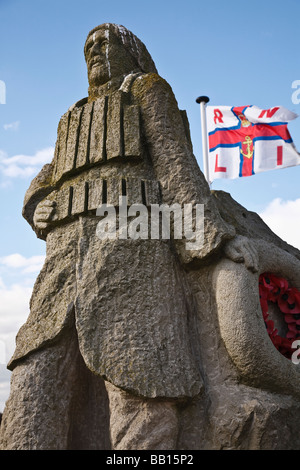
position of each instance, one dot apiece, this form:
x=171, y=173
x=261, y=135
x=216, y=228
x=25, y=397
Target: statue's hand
x=44, y=215
x=241, y=250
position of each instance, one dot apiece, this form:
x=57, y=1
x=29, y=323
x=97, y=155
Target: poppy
x=276, y=290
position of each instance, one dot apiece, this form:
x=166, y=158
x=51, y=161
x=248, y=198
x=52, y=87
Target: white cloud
x=14, y=310
x=15, y=290
x=13, y=126
x=16, y=286
x=15, y=171
x=4, y=386
x=40, y=157
x=24, y=166
x=28, y=265
x=283, y=217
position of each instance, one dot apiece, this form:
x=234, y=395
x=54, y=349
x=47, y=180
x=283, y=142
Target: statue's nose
x=95, y=49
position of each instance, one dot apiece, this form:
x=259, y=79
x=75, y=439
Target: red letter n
x=270, y=112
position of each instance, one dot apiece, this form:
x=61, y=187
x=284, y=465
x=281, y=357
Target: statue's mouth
x=95, y=61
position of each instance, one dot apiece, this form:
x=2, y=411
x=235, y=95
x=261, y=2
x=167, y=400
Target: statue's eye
x=88, y=47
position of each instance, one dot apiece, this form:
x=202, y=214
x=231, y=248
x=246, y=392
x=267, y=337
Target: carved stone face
x=106, y=57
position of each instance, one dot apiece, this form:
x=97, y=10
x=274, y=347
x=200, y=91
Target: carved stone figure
x=140, y=343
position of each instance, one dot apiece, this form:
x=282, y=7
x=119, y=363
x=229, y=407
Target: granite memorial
x=134, y=342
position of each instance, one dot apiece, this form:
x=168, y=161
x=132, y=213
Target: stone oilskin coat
x=133, y=308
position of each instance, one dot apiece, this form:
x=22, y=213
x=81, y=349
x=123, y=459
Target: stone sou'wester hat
x=132, y=44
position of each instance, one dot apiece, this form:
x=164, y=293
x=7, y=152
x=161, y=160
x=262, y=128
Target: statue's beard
x=98, y=75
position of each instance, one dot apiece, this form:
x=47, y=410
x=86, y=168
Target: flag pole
x=203, y=100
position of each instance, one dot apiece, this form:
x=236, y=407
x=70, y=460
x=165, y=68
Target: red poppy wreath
x=276, y=289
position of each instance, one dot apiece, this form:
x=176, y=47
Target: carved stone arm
x=175, y=166
x=39, y=188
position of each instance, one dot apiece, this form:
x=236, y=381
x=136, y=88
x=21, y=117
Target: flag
x=245, y=140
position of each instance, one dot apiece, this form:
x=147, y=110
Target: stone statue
x=135, y=343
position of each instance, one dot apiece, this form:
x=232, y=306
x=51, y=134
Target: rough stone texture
x=174, y=165
x=140, y=316
x=53, y=294
x=247, y=223
x=57, y=400
x=139, y=423
x=258, y=362
x=142, y=344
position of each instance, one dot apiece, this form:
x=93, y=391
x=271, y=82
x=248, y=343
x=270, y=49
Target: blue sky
x=237, y=53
